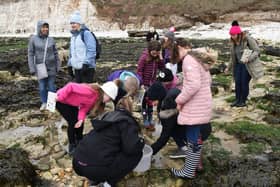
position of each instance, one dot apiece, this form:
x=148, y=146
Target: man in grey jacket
x=42, y=49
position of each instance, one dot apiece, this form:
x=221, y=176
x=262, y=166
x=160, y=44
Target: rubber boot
x=191, y=162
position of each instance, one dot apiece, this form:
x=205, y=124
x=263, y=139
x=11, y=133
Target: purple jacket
x=116, y=75
x=148, y=70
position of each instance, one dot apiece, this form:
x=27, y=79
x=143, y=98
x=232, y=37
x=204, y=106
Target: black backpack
x=98, y=43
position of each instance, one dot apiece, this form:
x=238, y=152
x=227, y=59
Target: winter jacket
x=122, y=74
x=79, y=95
x=114, y=134
x=82, y=52
x=254, y=67
x=168, y=116
x=148, y=70
x=195, y=97
x=173, y=84
x=36, y=48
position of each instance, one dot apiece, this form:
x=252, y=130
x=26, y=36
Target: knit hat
x=111, y=89
x=156, y=91
x=172, y=29
x=165, y=75
x=76, y=18
x=170, y=35
x=235, y=30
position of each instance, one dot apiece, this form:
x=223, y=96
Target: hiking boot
x=242, y=104
x=179, y=153
x=43, y=106
x=234, y=103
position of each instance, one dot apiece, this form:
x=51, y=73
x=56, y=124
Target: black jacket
x=115, y=133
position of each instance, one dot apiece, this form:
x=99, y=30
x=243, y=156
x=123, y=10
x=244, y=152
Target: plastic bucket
x=145, y=162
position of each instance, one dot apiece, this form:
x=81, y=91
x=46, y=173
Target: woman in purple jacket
x=149, y=63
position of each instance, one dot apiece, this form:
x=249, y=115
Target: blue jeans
x=45, y=85
x=195, y=134
x=242, y=79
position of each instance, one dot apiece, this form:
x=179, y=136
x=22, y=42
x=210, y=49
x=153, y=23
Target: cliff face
x=20, y=16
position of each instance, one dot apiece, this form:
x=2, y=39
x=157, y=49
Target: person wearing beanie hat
x=165, y=75
x=110, y=89
x=167, y=44
x=234, y=23
x=235, y=30
x=170, y=35
x=76, y=18
x=82, y=56
x=243, y=70
x=76, y=100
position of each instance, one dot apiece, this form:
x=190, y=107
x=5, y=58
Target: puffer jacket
x=114, y=134
x=148, y=70
x=36, y=48
x=195, y=97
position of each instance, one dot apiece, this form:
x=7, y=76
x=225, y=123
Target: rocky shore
x=243, y=150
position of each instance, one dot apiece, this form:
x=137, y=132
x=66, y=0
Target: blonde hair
x=99, y=103
x=132, y=85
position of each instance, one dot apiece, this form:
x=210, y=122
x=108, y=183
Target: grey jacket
x=254, y=66
x=36, y=48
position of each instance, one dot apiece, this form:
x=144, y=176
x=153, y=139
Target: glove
x=70, y=72
x=85, y=67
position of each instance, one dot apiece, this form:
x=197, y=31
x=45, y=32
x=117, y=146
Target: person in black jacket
x=111, y=150
x=168, y=116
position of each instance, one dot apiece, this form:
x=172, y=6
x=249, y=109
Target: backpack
x=98, y=43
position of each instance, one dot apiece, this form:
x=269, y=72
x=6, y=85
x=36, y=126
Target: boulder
x=16, y=170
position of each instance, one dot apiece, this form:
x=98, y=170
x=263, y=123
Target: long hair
x=240, y=37
x=175, y=51
x=153, y=46
x=99, y=103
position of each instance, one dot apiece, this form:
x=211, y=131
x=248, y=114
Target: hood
x=39, y=26
x=206, y=56
x=110, y=118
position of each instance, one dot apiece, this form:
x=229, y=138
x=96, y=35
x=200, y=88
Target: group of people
x=175, y=78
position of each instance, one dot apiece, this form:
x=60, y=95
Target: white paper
x=245, y=56
x=51, y=101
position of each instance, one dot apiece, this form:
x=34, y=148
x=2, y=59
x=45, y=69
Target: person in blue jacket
x=82, y=57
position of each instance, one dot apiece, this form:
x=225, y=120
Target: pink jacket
x=79, y=95
x=195, y=96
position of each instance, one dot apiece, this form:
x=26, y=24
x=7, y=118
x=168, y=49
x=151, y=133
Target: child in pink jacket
x=75, y=100
x=194, y=102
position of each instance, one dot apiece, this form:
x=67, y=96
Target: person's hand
x=179, y=107
x=70, y=72
x=160, y=55
x=79, y=124
x=85, y=67
x=245, y=61
x=226, y=71
x=32, y=73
